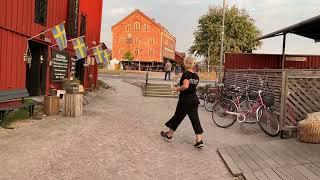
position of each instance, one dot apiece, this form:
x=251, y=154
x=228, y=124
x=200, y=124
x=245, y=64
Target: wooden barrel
x=73, y=105
x=51, y=105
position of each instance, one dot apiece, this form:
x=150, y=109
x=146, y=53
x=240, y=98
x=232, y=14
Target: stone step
x=159, y=95
x=159, y=89
x=159, y=92
x=158, y=85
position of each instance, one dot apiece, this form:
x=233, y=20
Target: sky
x=180, y=18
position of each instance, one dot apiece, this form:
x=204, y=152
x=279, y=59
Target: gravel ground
x=118, y=137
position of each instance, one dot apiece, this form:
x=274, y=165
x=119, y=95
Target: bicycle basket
x=227, y=94
x=268, y=100
x=253, y=96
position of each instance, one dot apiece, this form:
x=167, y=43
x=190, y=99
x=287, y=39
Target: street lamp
x=222, y=39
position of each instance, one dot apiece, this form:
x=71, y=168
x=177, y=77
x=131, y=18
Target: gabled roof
x=308, y=28
x=181, y=55
x=137, y=11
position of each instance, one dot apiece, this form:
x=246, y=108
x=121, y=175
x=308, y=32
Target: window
x=127, y=27
x=40, y=15
x=151, y=52
x=146, y=27
x=151, y=40
x=122, y=40
x=83, y=26
x=136, y=26
x=136, y=51
x=136, y=40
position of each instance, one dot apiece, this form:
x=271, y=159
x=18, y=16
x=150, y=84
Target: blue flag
x=80, y=47
x=59, y=34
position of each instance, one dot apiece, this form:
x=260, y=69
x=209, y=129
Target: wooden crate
x=73, y=105
x=51, y=105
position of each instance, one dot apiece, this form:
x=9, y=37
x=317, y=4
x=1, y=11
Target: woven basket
x=309, y=131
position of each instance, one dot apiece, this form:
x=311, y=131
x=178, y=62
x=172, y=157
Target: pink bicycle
x=226, y=112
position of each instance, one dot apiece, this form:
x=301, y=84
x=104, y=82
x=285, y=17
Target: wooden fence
x=296, y=92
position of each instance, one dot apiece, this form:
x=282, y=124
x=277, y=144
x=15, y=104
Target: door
x=36, y=71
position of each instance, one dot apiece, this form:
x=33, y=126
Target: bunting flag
x=99, y=55
x=59, y=34
x=107, y=56
x=80, y=47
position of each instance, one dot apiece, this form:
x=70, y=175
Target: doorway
x=80, y=70
x=36, y=72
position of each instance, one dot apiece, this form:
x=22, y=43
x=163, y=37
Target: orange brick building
x=148, y=41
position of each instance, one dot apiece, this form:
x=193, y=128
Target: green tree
x=128, y=56
x=240, y=33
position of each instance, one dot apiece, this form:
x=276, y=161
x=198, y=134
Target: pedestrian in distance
x=187, y=104
x=177, y=70
x=167, y=70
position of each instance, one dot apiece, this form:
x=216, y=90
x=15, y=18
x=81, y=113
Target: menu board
x=59, y=69
x=73, y=66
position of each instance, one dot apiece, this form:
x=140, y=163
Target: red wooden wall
x=17, y=24
x=268, y=61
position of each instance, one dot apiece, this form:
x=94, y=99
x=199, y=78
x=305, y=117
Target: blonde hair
x=188, y=62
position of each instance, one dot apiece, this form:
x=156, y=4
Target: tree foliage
x=240, y=33
x=128, y=56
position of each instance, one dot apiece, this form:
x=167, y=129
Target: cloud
x=120, y=11
x=270, y=15
x=188, y=3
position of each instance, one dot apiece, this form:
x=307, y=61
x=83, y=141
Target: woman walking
x=187, y=105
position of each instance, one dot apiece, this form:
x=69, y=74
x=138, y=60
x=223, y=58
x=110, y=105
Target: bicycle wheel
x=210, y=100
x=245, y=106
x=269, y=122
x=219, y=113
x=201, y=99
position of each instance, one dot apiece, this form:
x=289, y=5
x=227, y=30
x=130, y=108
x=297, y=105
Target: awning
x=308, y=28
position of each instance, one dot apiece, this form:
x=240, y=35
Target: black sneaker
x=198, y=144
x=165, y=136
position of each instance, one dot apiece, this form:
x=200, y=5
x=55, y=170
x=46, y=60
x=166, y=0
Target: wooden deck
x=285, y=159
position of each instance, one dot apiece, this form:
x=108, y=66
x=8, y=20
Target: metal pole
x=208, y=60
x=283, y=51
x=222, y=39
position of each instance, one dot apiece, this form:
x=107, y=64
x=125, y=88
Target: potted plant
x=73, y=87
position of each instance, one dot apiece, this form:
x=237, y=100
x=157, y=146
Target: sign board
x=73, y=18
x=73, y=66
x=59, y=68
x=296, y=58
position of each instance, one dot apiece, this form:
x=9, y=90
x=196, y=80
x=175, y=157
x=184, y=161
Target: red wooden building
x=22, y=19
x=270, y=61
x=308, y=29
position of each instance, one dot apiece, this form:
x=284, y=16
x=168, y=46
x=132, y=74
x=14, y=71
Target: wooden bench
x=11, y=100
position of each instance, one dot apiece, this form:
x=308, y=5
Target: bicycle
x=201, y=95
x=212, y=96
x=226, y=112
x=202, y=92
x=216, y=94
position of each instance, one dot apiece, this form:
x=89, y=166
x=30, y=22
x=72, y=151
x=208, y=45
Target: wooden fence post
x=283, y=102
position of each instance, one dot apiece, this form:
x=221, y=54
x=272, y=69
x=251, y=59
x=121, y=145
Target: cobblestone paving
x=117, y=138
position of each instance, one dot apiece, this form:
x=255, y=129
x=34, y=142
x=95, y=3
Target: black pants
x=187, y=105
x=167, y=73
